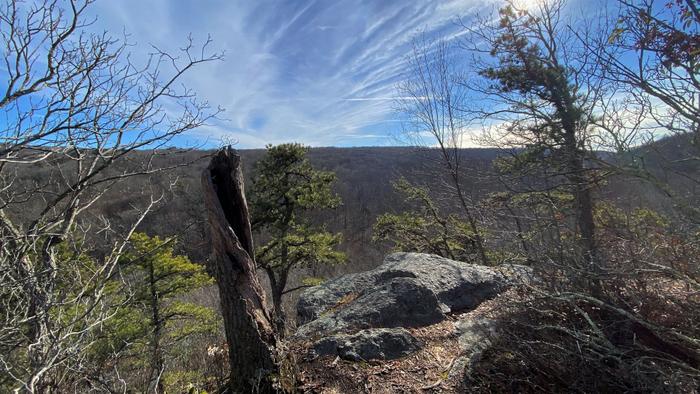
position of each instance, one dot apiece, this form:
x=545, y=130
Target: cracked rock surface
x=361, y=316
x=370, y=344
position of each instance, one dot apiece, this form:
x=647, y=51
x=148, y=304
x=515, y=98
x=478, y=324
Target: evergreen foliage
x=542, y=85
x=424, y=228
x=151, y=316
x=286, y=191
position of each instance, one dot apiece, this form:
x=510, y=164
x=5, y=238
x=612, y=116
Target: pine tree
x=286, y=189
x=154, y=318
x=425, y=229
x=551, y=115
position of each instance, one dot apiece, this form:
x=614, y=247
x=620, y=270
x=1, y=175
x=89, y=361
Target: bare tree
x=74, y=105
x=664, y=40
x=432, y=99
x=652, y=55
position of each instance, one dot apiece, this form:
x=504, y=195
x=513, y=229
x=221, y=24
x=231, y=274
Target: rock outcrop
x=399, y=302
x=371, y=344
x=407, y=290
x=474, y=339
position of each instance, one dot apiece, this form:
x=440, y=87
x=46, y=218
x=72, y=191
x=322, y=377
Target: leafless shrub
x=75, y=104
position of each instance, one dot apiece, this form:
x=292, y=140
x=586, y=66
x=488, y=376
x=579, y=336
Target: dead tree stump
x=250, y=333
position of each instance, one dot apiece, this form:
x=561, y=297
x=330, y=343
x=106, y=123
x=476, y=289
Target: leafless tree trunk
x=249, y=329
x=74, y=104
x=157, y=321
x=432, y=100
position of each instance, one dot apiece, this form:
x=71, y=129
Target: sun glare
x=527, y=4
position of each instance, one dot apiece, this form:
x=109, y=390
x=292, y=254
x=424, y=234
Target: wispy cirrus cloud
x=319, y=72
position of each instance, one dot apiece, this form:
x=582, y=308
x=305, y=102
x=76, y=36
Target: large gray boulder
x=457, y=286
x=398, y=302
x=371, y=344
x=360, y=316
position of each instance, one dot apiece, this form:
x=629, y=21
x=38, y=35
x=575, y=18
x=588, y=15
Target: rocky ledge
x=363, y=316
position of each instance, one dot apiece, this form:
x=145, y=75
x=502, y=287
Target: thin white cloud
x=317, y=72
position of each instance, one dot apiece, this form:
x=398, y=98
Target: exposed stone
x=400, y=302
x=359, y=316
x=458, y=286
x=474, y=338
x=370, y=344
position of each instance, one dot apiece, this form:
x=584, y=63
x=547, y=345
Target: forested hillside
x=364, y=184
x=365, y=177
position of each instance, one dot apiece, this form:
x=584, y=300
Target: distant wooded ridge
x=364, y=182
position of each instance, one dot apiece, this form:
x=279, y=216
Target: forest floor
x=423, y=371
x=429, y=370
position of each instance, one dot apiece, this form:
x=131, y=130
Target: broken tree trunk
x=250, y=333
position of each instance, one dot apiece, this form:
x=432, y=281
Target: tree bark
x=278, y=287
x=249, y=329
x=156, y=356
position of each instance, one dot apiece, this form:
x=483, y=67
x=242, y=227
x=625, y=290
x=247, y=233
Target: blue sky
x=319, y=72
